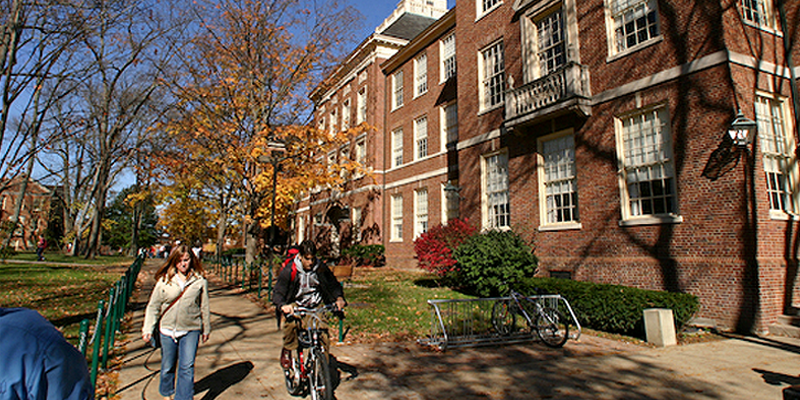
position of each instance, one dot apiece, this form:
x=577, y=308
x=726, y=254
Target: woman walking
x=180, y=299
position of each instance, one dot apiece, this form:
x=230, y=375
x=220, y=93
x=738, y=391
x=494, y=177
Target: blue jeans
x=178, y=354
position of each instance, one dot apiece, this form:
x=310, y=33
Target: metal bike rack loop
x=468, y=322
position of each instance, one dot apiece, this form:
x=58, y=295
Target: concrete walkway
x=241, y=361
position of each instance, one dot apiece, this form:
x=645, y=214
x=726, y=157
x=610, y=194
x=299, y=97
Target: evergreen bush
x=614, y=308
x=369, y=254
x=491, y=260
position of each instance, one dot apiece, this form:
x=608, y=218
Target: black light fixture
x=742, y=130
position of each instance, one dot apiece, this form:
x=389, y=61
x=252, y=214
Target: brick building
x=33, y=214
x=599, y=130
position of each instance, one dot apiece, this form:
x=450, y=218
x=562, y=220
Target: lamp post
x=277, y=148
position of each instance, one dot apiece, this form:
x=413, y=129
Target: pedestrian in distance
x=180, y=300
x=38, y=363
x=40, y=246
x=305, y=282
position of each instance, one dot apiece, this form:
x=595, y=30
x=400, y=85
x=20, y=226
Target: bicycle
x=311, y=370
x=550, y=324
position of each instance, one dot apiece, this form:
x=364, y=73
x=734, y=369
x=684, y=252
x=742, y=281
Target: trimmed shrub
x=489, y=261
x=434, y=248
x=614, y=308
x=370, y=254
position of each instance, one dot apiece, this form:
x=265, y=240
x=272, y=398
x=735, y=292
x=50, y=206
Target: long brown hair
x=170, y=267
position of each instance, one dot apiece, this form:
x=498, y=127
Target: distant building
x=33, y=215
x=600, y=131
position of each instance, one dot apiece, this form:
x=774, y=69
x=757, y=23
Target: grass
x=391, y=304
x=65, y=293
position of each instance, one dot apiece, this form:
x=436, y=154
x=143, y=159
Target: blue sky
x=375, y=11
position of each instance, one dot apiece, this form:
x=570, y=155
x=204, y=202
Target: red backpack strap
x=294, y=272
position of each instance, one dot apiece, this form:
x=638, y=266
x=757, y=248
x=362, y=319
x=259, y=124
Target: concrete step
x=787, y=325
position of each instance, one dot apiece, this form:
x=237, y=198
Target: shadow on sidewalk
x=221, y=379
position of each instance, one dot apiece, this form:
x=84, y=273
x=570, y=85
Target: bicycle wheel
x=552, y=327
x=320, y=378
x=504, y=317
x=294, y=382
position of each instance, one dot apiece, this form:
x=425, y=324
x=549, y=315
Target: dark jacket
x=286, y=288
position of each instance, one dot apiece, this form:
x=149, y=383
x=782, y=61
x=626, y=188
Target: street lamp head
x=742, y=130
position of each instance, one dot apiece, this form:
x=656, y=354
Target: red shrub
x=434, y=248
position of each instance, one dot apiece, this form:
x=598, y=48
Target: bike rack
x=468, y=322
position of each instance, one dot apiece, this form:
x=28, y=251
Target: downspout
x=787, y=50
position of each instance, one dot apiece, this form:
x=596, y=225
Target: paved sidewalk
x=241, y=361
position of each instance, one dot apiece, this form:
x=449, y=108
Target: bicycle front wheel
x=552, y=327
x=321, y=382
x=504, y=317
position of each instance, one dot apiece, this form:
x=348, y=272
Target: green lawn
x=389, y=304
x=65, y=294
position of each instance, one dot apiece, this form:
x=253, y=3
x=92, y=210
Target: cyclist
x=305, y=282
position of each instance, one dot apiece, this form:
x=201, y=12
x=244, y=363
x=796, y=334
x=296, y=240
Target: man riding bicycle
x=304, y=282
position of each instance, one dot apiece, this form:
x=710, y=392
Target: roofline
x=426, y=37
x=344, y=68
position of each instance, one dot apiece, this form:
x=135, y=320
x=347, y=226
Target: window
x=448, y=57
x=420, y=138
x=332, y=125
x=559, y=182
x=397, y=90
x=450, y=125
x=635, y=22
x=331, y=161
x=346, y=114
x=648, y=173
x=497, y=208
x=420, y=212
x=485, y=6
x=492, y=75
x=356, y=224
x=397, y=147
x=778, y=148
x=450, y=203
x=301, y=228
x=397, y=217
x=361, y=150
x=550, y=35
x=758, y=12
x=421, y=75
x=361, y=104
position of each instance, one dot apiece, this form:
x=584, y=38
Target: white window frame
x=420, y=211
x=450, y=204
x=397, y=147
x=558, y=188
x=654, y=123
x=355, y=217
x=491, y=76
x=777, y=146
x=619, y=14
x=449, y=125
x=397, y=90
x=396, y=203
x=301, y=228
x=447, y=55
x=496, y=196
x=346, y=111
x=551, y=42
x=421, y=137
x=333, y=121
x=484, y=7
x=420, y=75
x=361, y=106
x=759, y=13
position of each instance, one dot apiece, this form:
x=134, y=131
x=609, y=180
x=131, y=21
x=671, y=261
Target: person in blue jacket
x=38, y=363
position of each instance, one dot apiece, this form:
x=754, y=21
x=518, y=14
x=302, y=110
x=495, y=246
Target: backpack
x=288, y=261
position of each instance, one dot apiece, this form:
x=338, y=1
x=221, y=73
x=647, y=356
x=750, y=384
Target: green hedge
x=614, y=308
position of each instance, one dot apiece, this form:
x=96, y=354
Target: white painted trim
x=417, y=178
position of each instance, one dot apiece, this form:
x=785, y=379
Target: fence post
x=83, y=337
x=109, y=319
x=96, y=348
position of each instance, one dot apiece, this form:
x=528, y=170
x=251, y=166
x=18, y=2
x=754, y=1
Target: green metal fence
x=109, y=318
